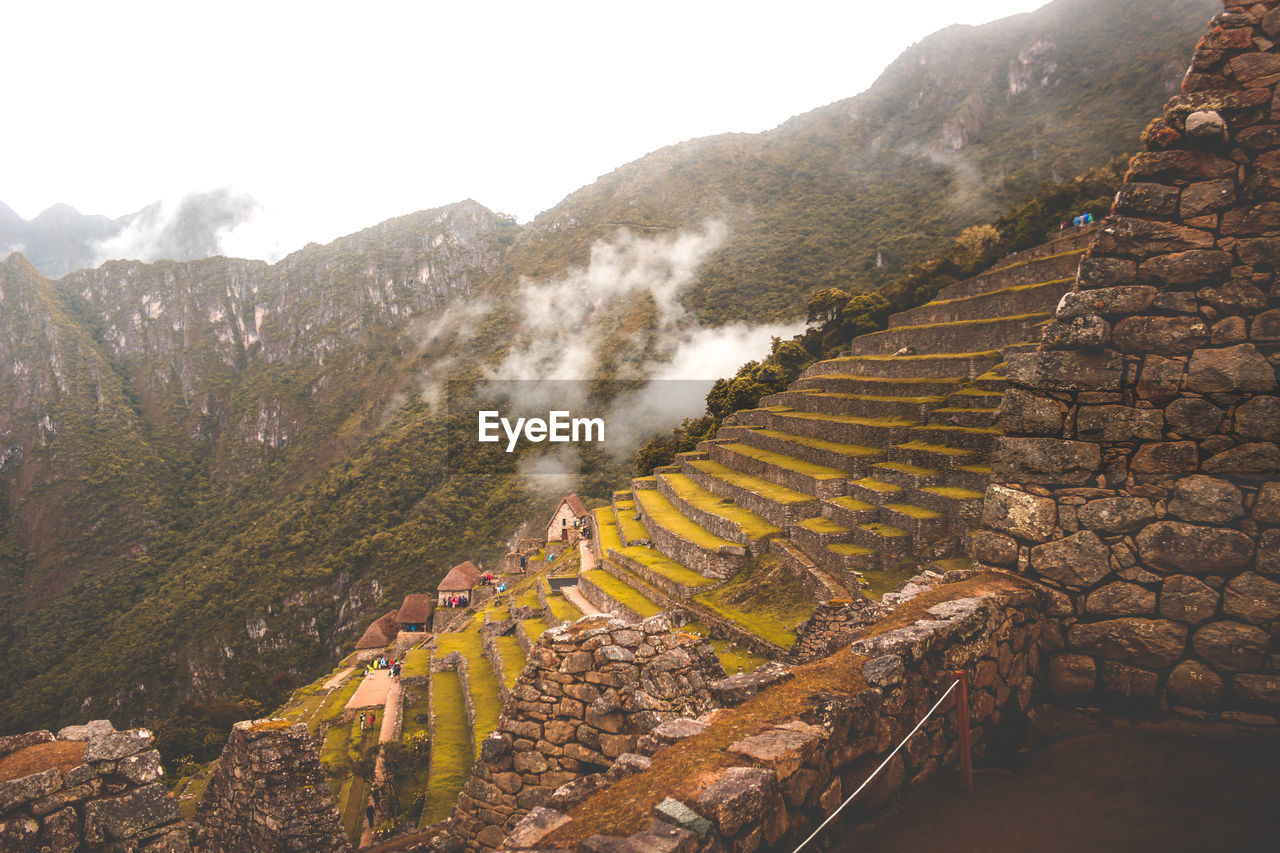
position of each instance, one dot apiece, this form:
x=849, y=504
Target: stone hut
x=415, y=612
x=461, y=579
x=380, y=634
x=563, y=522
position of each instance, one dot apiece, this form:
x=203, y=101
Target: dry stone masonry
x=269, y=793
x=96, y=789
x=587, y=695
x=1140, y=473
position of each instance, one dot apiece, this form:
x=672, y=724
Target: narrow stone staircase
x=867, y=465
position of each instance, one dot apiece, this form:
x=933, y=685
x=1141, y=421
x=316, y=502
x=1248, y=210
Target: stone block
x=1121, y=599
x=1165, y=459
x=1266, y=508
x=24, y=789
x=994, y=549
x=1184, y=598
x=1228, y=331
x=1127, y=681
x=1089, y=331
x=1179, y=164
x=1019, y=513
x=1097, y=272
x=1147, y=198
x=1119, y=423
x=1023, y=411
x=1264, y=689
x=738, y=796
x=1142, y=642
x=1240, y=368
x=1133, y=299
x=1193, y=417
x=1231, y=646
x=1253, y=461
x=1066, y=370
x=1265, y=327
x=1206, y=499
x=1194, y=684
x=1071, y=675
x=112, y=746
x=1258, y=419
x=1116, y=515
x=1078, y=561
x=1180, y=269
x=1174, y=546
x=129, y=815
x=1250, y=597
x=1161, y=378
x=1049, y=461
x=1163, y=335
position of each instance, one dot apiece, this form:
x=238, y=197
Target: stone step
x=927, y=366
x=941, y=457
x=846, y=429
x=819, y=531
x=862, y=405
x=845, y=561
x=659, y=571
x=821, y=481
x=627, y=518
x=777, y=504
x=976, y=477
x=852, y=459
x=872, y=491
x=1061, y=264
x=1039, y=296
x=818, y=583
x=962, y=336
x=684, y=541
x=905, y=475
x=613, y=589
x=925, y=525
x=979, y=439
x=890, y=543
x=717, y=514
x=956, y=502
x=968, y=417
x=850, y=511
x=883, y=386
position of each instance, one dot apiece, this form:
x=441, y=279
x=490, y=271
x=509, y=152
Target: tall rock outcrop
x=1139, y=472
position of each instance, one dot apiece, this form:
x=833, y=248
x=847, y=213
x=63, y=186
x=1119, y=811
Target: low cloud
x=191, y=227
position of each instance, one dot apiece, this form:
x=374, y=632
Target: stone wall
x=833, y=623
x=787, y=774
x=1138, y=478
x=589, y=692
x=269, y=793
x=97, y=789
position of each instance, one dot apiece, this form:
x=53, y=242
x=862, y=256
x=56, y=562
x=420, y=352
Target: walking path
x=580, y=601
x=588, y=556
x=372, y=691
x=339, y=679
x=389, y=731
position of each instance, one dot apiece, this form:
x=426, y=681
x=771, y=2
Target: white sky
x=336, y=116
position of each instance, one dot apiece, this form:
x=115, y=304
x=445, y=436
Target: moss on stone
x=656, y=508
x=452, y=754
x=819, y=524
x=753, y=526
x=788, y=463
x=764, y=488
x=625, y=593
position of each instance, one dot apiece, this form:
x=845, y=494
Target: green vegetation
x=513, y=659
x=625, y=593
x=655, y=506
x=629, y=525
x=765, y=599
x=914, y=511
x=452, y=754
x=764, y=488
x=790, y=463
x=819, y=524
x=663, y=565
x=486, y=699
x=753, y=526
x=417, y=663
x=872, y=484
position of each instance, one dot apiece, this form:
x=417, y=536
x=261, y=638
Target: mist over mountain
x=61, y=239
x=215, y=471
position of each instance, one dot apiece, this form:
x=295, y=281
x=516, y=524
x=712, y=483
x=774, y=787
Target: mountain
x=213, y=473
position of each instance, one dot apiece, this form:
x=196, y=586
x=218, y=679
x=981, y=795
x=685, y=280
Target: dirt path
x=573, y=594
x=588, y=556
x=372, y=691
x=339, y=679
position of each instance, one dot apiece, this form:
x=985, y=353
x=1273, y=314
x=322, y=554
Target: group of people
x=487, y=579
x=1078, y=221
x=457, y=600
x=384, y=662
x=367, y=720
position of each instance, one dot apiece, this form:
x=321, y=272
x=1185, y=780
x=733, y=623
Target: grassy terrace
x=562, y=609
x=753, y=526
x=656, y=507
x=856, y=451
x=884, y=530
x=884, y=423
x=875, y=485
x=608, y=528
x=534, y=628
x=905, y=468
x=819, y=524
x=790, y=463
x=941, y=449
x=881, y=398
x=947, y=355
x=943, y=429
x=1039, y=315
x=765, y=599
x=888, y=380
x=452, y=754
x=485, y=693
x=513, y=659
x=764, y=488
x=629, y=526
x=851, y=503
x=953, y=493
x=666, y=567
x=1015, y=289
x=625, y=593
x=849, y=549
x=417, y=663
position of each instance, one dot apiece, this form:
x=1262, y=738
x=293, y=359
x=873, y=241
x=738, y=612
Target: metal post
x=962, y=725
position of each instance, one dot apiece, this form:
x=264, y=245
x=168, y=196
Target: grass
x=764, y=488
x=627, y=805
x=752, y=526
x=851, y=503
x=486, y=698
x=789, y=463
x=913, y=511
x=625, y=594
x=956, y=355
x=953, y=493
x=940, y=449
x=562, y=609
x=663, y=513
x=954, y=564
x=854, y=450
x=534, y=628
x=872, y=484
x=880, y=398
x=980, y=468
x=665, y=566
x=820, y=524
x=417, y=664
x=1039, y=315
x=889, y=380
x=413, y=777
x=452, y=754
x=879, y=582
x=513, y=658
x=764, y=599
x=629, y=526
x=884, y=530
x=903, y=467
x=1015, y=289
x=193, y=790
x=608, y=529
x=944, y=428
x=884, y=423
x=849, y=549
